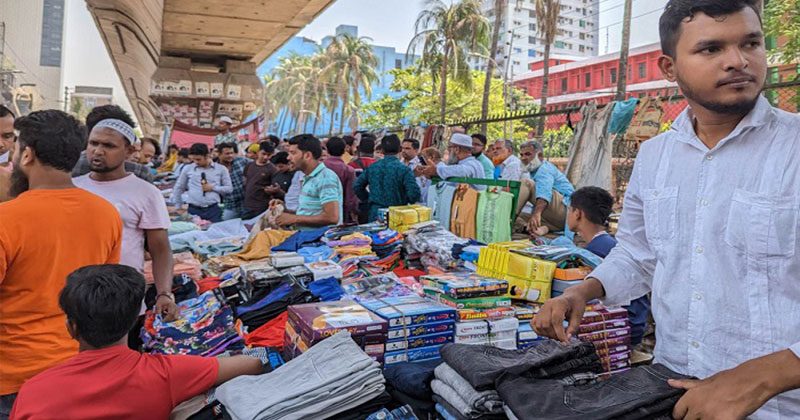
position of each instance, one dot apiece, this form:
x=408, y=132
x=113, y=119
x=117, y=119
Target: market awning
x=138, y=33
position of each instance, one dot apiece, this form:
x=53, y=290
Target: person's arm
x=232, y=367
x=626, y=274
x=739, y=392
x=413, y=192
x=360, y=186
x=163, y=263
x=180, y=187
x=227, y=186
x=116, y=247
x=452, y=171
x=328, y=216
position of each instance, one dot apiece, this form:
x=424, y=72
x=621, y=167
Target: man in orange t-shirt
x=50, y=229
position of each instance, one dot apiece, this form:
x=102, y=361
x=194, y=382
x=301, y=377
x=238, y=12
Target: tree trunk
x=545, y=87
x=283, y=121
x=490, y=67
x=333, y=114
x=316, y=116
x=345, y=104
x=622, y=73
x=443, y=87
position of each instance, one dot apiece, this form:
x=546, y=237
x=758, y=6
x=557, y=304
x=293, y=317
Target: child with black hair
x=588, y=217
x=107, y=379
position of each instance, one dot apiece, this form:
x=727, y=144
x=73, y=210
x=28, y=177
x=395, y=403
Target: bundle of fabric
x=177, y=227
x=637, y=394
x=268, y=335
x=457, y=397
x=262, y=309
x=204, y=327
x=317, y=253
x=410, y=384
x=332, y=377
x=185, y=263
x=207, y=248
x=261, y=245
x=300, y=239
x=435, y=245
x=353, y=249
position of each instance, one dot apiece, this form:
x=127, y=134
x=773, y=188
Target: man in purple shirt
x=346, y=174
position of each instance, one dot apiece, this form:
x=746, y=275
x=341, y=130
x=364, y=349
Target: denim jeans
x=640, y=393
x=482, y=365
x=6, y=404
x=413, y=379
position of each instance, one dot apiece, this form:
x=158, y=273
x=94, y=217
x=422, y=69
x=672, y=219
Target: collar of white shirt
x=763, y=113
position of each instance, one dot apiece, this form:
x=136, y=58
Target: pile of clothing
x=432, y=246
x=352, y=249
x=387, y=245
x=333, y=377
x=204, y=328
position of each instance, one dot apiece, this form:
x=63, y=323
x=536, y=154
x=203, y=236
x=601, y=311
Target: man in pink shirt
x=140, y=204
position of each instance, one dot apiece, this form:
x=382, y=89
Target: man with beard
x=478, y=146
x=711, y=225
x=546, y=189
x=140, y=205
x=460, y=163
x=236, y=165
x=132, y=165
x=50, y=229
x=320, y=202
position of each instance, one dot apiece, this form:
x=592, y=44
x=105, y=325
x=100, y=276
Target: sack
x=646, y=123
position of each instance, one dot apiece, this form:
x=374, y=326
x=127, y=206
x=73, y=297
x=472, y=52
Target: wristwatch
x=169, y=295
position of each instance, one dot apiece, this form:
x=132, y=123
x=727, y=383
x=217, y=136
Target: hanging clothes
x=494, y=216
x=462, y=216
x=590, y=152
x=440, y=199
x=622, y=116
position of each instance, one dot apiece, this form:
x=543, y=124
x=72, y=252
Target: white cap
x=459, y=139
x=226, y=119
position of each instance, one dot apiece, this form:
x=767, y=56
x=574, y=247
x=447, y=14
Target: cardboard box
x=606, y=334
x=487, y=338
x=414, y=355
x=421, y=341
x=464, y=285
x=478, y=314
x=323, y=319
x=528, y=290
x=406, y=311
x=421, y=330
x=600, y=315
x=568, y=274
x=485, y=327
x=600, y=326
x=474, y=303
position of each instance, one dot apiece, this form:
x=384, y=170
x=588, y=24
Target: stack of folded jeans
x=639, y=393
x=330, y=378
x=481, y=366
x=410, y=384
x=458, y=398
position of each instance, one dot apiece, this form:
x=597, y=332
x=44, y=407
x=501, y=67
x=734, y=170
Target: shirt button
x=695, y=344
x=699, y=249
x=704, y=203
x=710, y=157
x=698, y=296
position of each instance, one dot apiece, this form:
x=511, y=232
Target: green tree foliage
x=782, y=21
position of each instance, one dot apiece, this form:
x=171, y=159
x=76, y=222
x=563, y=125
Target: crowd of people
x=710, y=227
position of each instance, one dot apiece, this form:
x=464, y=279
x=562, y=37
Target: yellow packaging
x=402, y=217
x=531, y=291
x=525, y=267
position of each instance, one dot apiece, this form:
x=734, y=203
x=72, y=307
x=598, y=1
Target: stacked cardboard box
x=310, y=323
x=403, y=217
x=417, y=327
x=608, y=329
x=528, y=278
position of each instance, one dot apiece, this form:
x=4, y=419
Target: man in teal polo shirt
x=320, y=192
x=478, y=147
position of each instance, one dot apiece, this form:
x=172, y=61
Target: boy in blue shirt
x=588, y=217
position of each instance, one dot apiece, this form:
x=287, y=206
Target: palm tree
x=547, y=13
x=352, y=68
x=490, y=66
x=449, y=33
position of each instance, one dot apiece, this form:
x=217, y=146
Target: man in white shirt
x=510, y=166
x=711, y=226
x=7, y=134
x=460, y=162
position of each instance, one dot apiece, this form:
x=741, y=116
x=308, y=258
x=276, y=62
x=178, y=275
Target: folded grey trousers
x=479, y=401
x=336, y=361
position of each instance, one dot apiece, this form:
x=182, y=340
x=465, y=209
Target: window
x=580, y=48
x=582, y=36
x=564, y=84
x=532, y=40
x=52, y=29
x=588, y=80
x=559, y=44
x=531, y=53
x=532, y=14
x=602, y=76
x=642, y=70
x=613, y=76
x=532, y=27
x=398, y=64
x=582, y=23
x=517, y=23
x=517, y=50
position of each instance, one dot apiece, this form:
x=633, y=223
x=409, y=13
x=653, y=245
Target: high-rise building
x=578, y=28
x=32, y=43
x=84, y=98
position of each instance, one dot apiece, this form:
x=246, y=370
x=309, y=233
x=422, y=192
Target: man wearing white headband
x=140, y=204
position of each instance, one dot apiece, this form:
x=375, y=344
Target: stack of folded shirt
x=312, y=323
x=352, y=249
x=204, y=327
x=608, y=329
x=458, y=398
x=262, y=309
x=417, y=327
x=330, y=378
x=386, y=245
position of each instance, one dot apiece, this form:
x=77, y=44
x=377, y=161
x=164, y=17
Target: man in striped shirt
x=320, y=192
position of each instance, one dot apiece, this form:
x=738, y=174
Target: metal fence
x=785, y=96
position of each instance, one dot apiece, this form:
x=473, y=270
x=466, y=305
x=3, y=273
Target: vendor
x=546, y=188
x=320, y=201
x=509, y=166
x=225, y=135
x=710, y=226
x=461, y=163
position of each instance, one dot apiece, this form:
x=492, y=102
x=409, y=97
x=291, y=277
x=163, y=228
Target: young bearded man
x=140, y=204
x=711, y=225
x=258, y=177
x=50, y=229
x=235, y=164
x=320, y=202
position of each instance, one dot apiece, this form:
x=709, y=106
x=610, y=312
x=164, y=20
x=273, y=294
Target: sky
x=387, y=22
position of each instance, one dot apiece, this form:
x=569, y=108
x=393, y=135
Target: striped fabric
x=320, y=187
